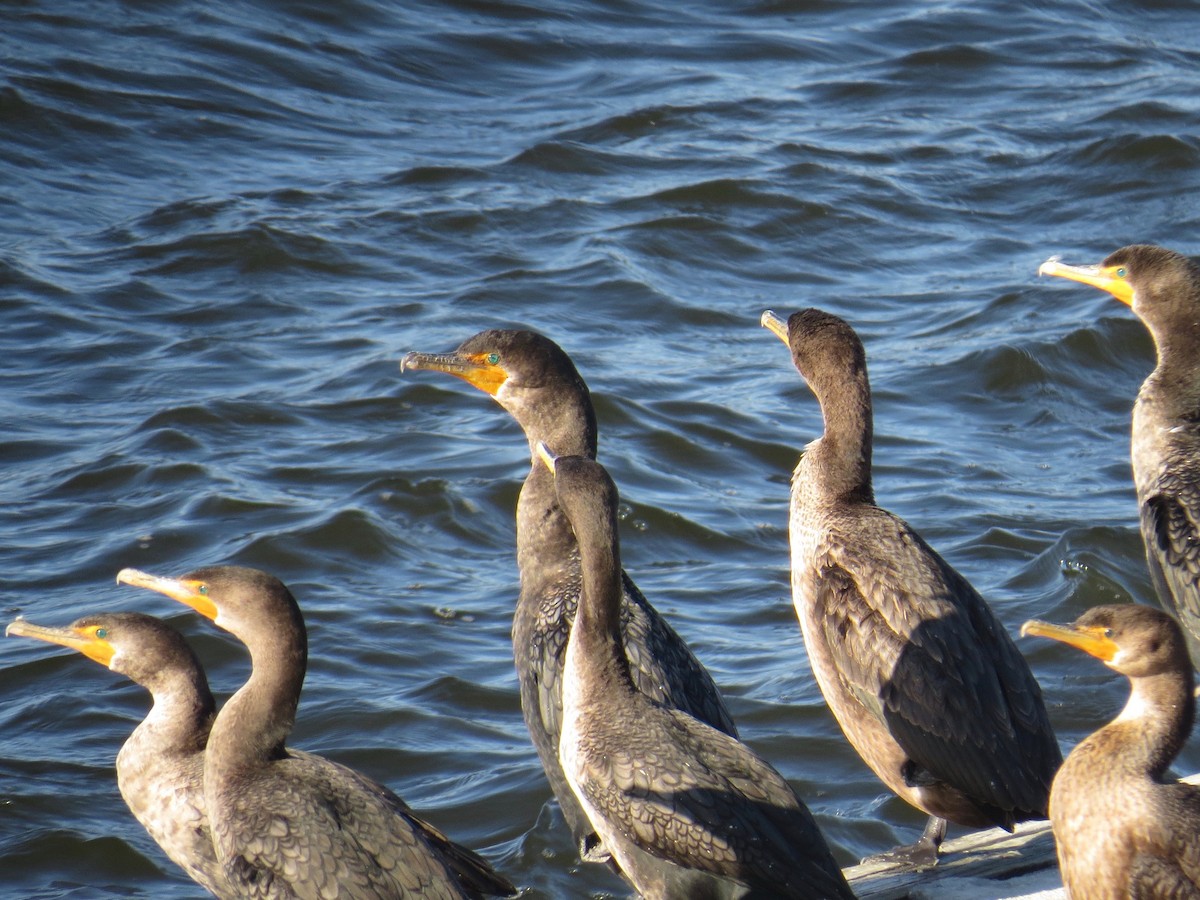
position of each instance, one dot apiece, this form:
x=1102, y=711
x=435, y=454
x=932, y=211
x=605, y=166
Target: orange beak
x=190, y=593
x=1090, y=640
x=1110, y=278
x=775, y=324
x=479, y=369
x=85, y=640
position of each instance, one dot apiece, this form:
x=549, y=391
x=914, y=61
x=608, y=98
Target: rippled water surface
x=222, y=225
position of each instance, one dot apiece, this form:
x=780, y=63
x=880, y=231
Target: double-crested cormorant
x=1122, y=829
x=291, y=824
x=531, y=377
x=160, y=768
x=657, y=784
x=923, y=679
x=1163, y=289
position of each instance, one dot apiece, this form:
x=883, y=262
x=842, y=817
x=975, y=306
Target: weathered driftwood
x=983, y=865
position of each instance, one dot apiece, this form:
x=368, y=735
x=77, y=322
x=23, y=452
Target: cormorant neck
x=1173, y=385
x=544, y=535
x=1170, y=310
x=596, y=633
x=838, y=463
x=560, y=416
x=565, y=422
x=251, y=728
x=182, y=712
x=1156, y=721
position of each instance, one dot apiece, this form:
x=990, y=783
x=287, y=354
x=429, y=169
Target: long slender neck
x=181, y=715
x=565, y=422
x=546, y=548
x=1168, y=311
x=1155, y=723
x=559, y=414
x=1172, y=388
x=596, y=634
x=251, y=728
x=838, y=464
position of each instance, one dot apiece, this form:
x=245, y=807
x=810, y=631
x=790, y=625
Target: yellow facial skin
x=1113, y=279
x=1093, y=639
x=480, y=369
x=190, y=593
x=90, y=640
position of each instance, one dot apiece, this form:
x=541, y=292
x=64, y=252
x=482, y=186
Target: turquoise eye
x=493, y=358
x=1122, y=272
x=203, y=589
x=102, y=633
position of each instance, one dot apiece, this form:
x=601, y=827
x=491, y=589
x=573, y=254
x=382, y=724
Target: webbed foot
x=918, y=856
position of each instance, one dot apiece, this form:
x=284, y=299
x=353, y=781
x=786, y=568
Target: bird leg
x=930, y=842
x=918, y=856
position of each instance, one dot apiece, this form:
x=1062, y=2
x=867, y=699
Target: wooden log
x=982, y=865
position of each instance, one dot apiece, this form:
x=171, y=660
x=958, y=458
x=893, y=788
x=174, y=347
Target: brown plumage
x=1122, y=828
x=287, y=823
x=160, y=768
x=688, y=812
x=920, y=674
x=1163, y=289
x=537, y=383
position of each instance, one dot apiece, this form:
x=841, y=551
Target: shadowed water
x=222, y=225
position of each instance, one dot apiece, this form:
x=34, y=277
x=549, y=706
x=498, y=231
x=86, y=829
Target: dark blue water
x=221, y=226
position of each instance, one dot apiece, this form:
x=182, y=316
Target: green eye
x=102, y=633
x=1122, y=272
x=493, y=358
x=203, y=589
